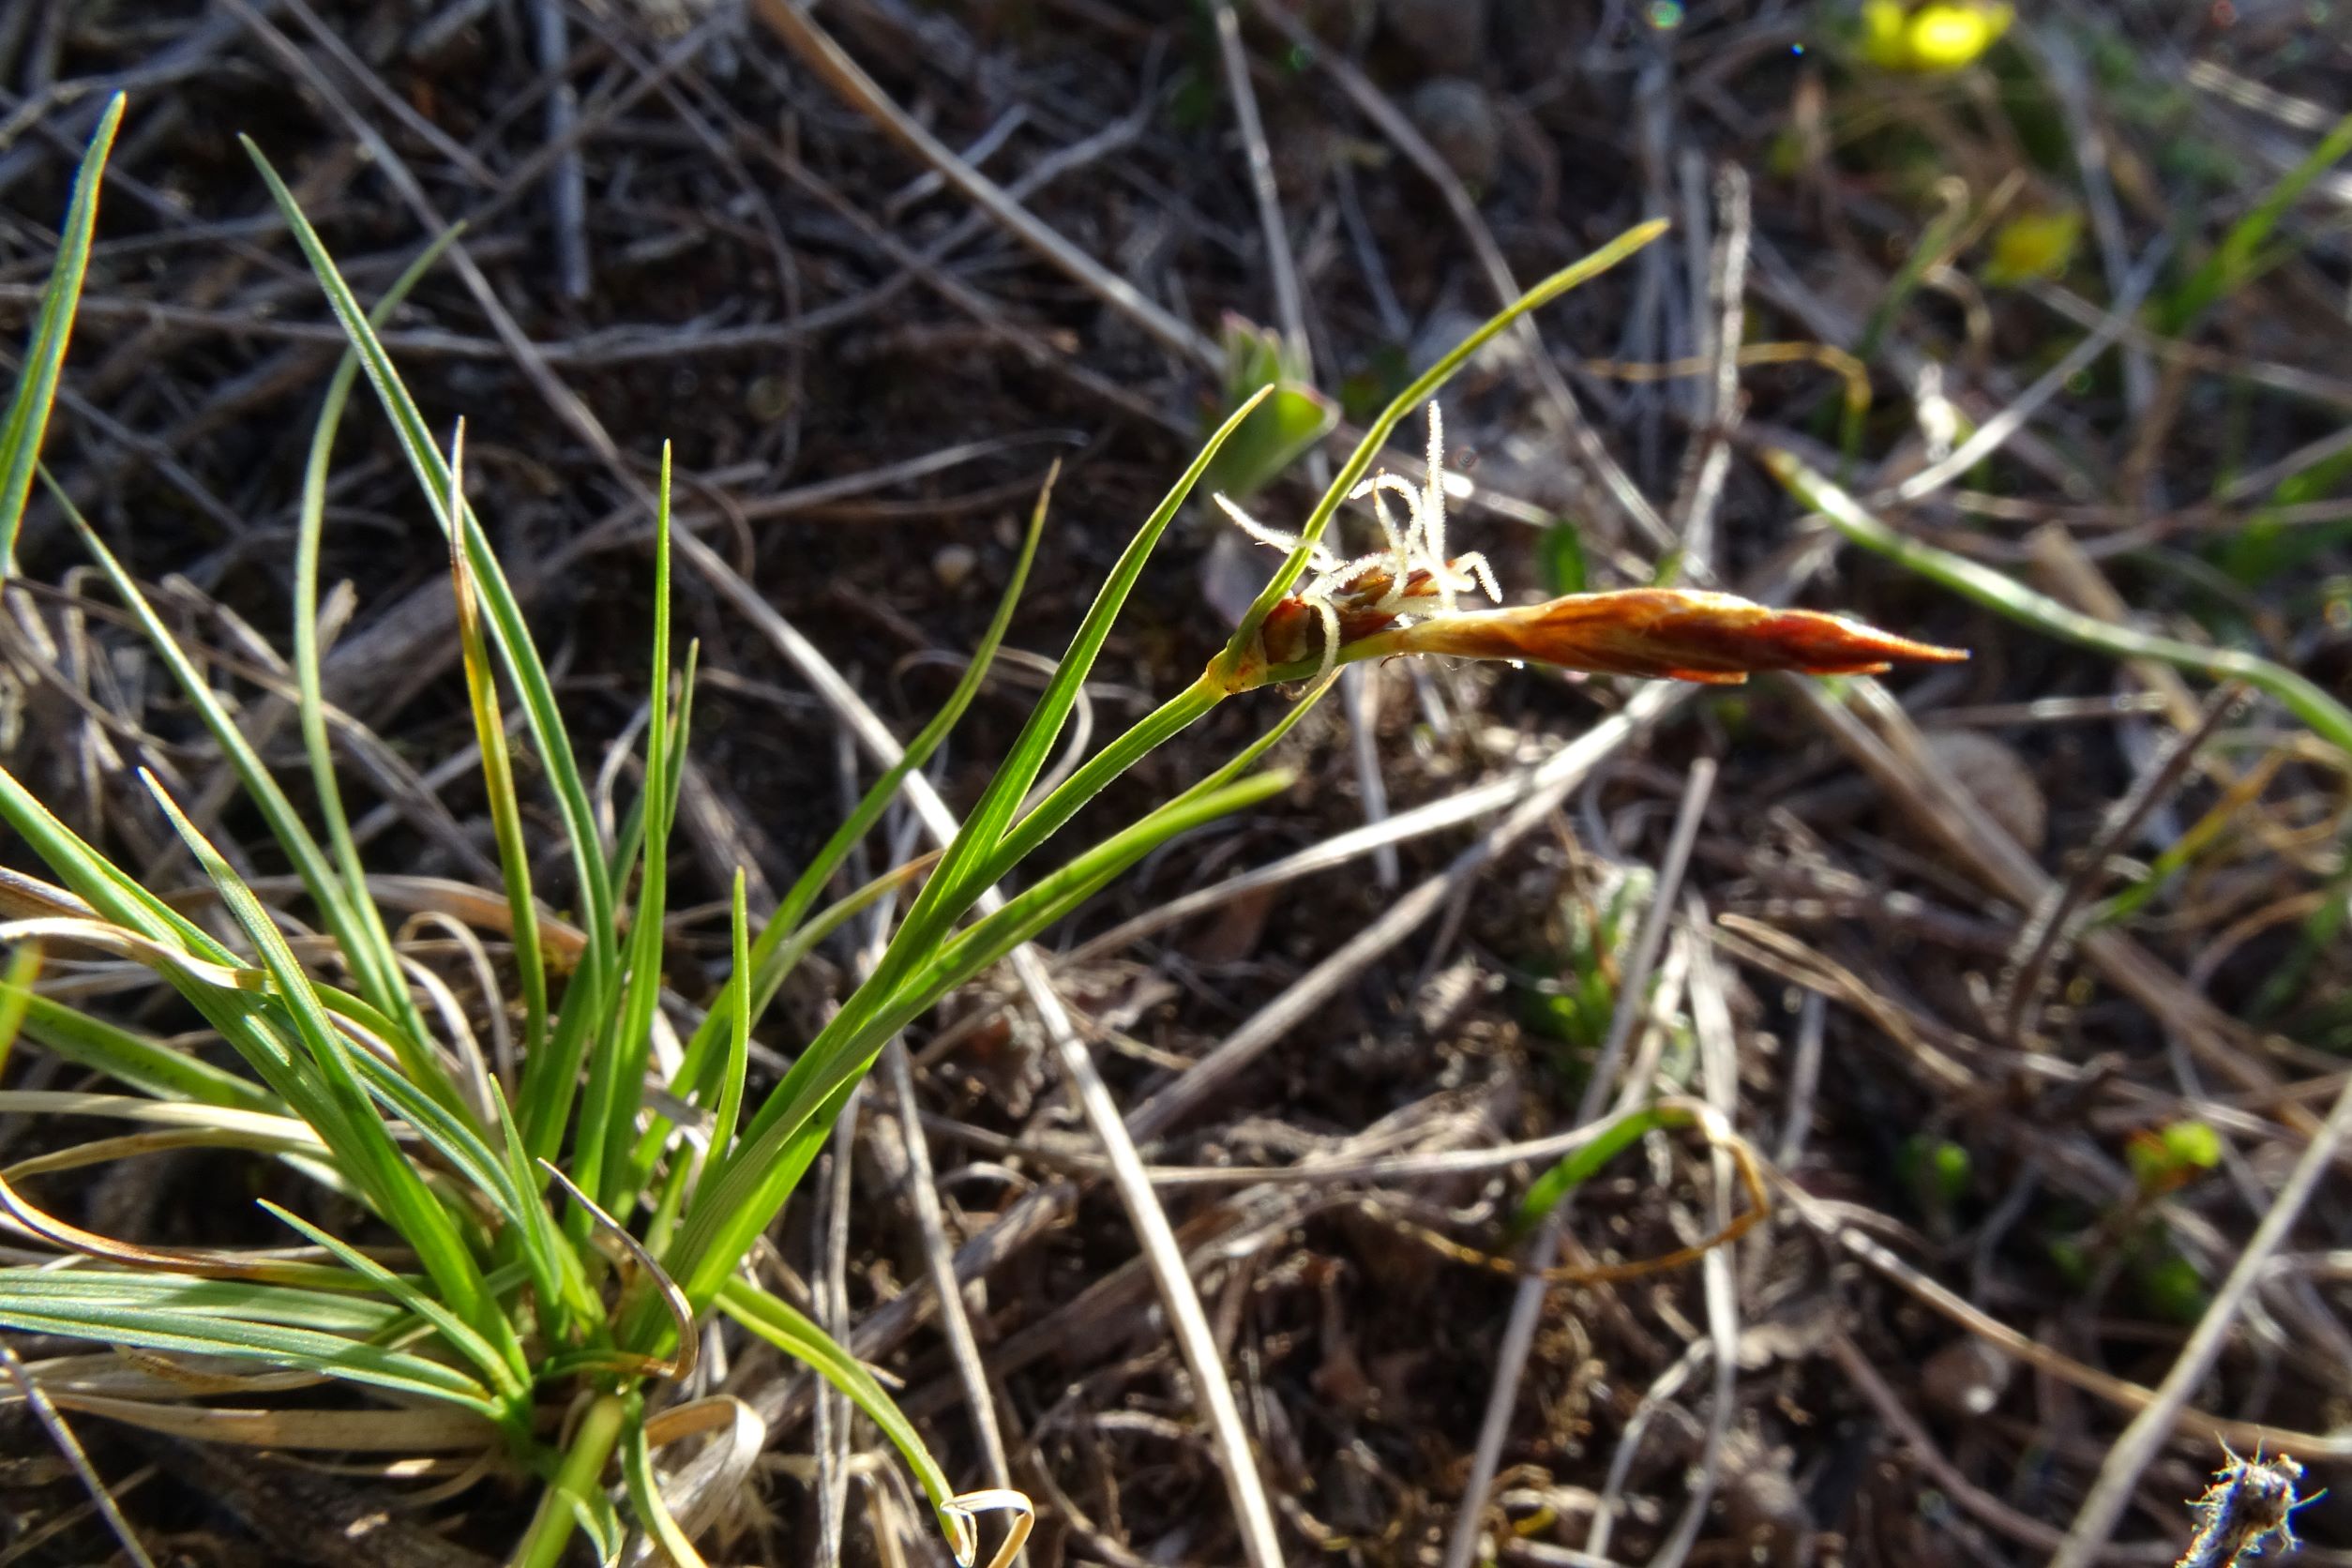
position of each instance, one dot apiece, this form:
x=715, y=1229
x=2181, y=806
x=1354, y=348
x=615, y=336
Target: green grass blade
x=589, y=988
x=1164, y=723
x=956, y=884
x=567, y=1302
x=731, y=1077
x=460, y=1148
x=2327, y=717
x=507, y=1376
x=506, y=810
x=1580, y=1165
x=739, y=1198
x=361, y=1142
x=1055, y=895
x=104, y=1289
x=386, y=990
x=366, y=920
x=144, y=1064
x=97, y=881
x=616, y=1076
x=787, y=934
x=790, y=1331
x=16, y=995
x=115, y=898
x=2236, y=260
x=45, y=356
x=1238, y=650
x=644, y=1487
x=173, y=1333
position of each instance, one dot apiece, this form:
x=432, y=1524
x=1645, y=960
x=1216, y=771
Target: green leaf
x=954, y=884
x=1292, y=419
x=764, y=1171
x=45, y=356
x=645, y=1487
x=1580, y=1165
x=510, y=1375
x=2326, y=716
x=106, y=1289
x=2237, y=261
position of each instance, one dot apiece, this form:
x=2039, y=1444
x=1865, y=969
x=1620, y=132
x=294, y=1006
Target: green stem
x=551, y=1531
x=2327, y=717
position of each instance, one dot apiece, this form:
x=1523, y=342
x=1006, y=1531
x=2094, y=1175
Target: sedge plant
x=551, y=1229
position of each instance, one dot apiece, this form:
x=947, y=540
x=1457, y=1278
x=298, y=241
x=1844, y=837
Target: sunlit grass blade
x=1092, y=777
x=27, y=419
x=115, y=898
x=954, y=884
x=1237, y=649
x=574, y=1496
x=362, y=1143
x=144, y=1064
x=1057, y=892
x=790, y=1331
x=309, y=527
x=1579, y=1166
x=730, y=1077
x=567, y=1302
x=350, y=1315
x=508, y=1375
x=386, y=990
x=590, y=989
x=705, y=1060
x=848, y=1044
x=157, y=1326
x=787, y=933
x=811, y=883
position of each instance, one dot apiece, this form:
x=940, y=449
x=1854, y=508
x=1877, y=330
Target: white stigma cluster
x=1418, y=545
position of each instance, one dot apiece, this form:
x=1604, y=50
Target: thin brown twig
x=817, y=49
x=2045, y=930
x=2120, y=1392
x=1519, y=1336
x=1971, y=1499
x=1559, y=403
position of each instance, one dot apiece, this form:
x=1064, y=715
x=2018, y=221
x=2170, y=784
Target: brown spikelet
x=1674, y=633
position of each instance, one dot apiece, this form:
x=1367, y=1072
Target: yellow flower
x=2033, y=246
x=1939, y=35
